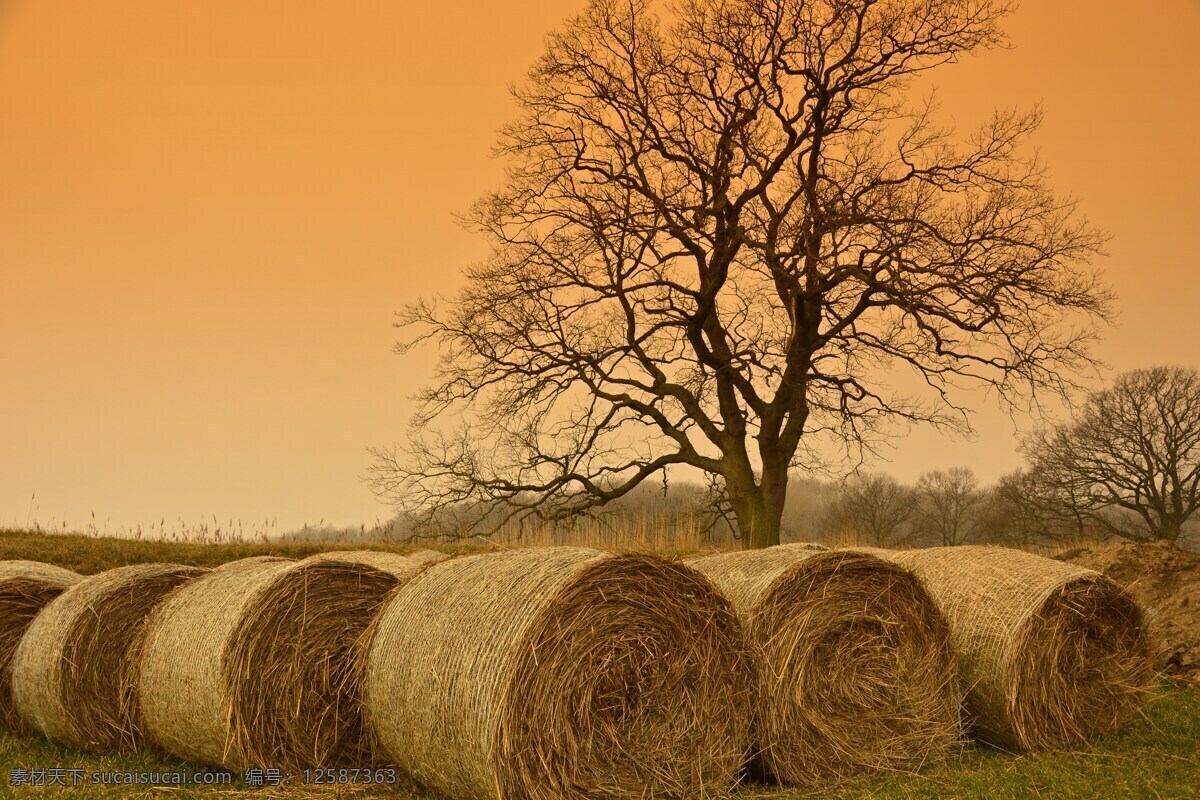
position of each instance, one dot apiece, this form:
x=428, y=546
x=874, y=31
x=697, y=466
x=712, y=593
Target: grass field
x=91, y=554
x=1156, y=757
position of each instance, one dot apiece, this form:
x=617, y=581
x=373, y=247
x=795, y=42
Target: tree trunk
x=759, y=511
x=1170, y=528
x=757, y=527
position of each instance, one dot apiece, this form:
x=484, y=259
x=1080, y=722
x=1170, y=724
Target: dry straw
x=25, y=588
x=560, y=673
x=254, y=664
x=1052, y=653
x=181, y=680
x=427, y=556
x=71, y=673
x=251, y=562
x=852, y=659
x=295, y=664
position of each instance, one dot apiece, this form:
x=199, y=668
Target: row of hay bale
x=570, y=673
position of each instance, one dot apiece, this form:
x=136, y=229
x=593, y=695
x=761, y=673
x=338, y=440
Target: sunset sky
x=210, y=211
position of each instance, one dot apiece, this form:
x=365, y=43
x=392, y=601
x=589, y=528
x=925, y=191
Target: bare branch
x=720, y=236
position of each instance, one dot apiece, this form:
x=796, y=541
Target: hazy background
x=209, y=212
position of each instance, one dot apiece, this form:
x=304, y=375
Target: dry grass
x=25, y=588
x=646, y=532
x=852, y=659
x=71, y=673
x=88, y=556
x=561, y=674
x=1052, y=653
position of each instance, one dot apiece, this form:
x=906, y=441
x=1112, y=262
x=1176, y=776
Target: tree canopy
x=1130, y=459
x=725, y=228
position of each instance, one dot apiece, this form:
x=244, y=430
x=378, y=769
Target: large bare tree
x=1130, y=460
x=726, y=227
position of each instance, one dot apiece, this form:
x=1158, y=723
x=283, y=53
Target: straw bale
x=560, y=673
x=853, y=663
x=296, y=661
x=182, y=680
x=259, y=663
x=1052, y=652
x=25, y=588
x=71, y=673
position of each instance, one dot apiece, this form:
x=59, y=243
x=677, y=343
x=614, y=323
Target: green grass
x=1156, y=757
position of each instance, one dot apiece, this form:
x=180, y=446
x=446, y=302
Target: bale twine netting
x=25, y=588
x=1052, y=653
x=853, y=665
x=561, y=673
x=259, y=664
x=71, y=673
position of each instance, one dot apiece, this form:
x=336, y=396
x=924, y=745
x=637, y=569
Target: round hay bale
x=1052, y=653
x=25, y=588
x=71, y=673
x=852, y=659
x=296, y=661
x=181, y=680
x=256, y=664
x=560, y=673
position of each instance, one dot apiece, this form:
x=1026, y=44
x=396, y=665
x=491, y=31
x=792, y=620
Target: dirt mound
x=1166, y=579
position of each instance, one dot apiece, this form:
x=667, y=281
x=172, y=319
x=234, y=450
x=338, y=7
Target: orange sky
x=210, y=210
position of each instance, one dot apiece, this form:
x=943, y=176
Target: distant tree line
x=1126, y=465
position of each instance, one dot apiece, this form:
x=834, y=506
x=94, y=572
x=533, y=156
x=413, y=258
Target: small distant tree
x=1129, y=461
x=722, y=227
x=947, y=503
x=876, y=506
